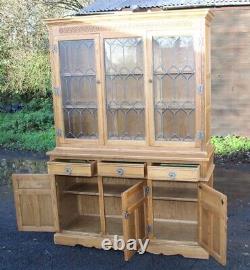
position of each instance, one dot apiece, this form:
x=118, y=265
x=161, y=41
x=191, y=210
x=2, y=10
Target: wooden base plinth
x=186, y=249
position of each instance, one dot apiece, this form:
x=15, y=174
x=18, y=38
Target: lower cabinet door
x=35, y=202
x=213, y=222
x=134, y=207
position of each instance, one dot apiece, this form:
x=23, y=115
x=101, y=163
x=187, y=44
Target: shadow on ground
x=25, y=250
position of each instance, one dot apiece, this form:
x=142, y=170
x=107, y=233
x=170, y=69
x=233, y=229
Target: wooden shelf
x=126, y=107
x=114, y=190
x=123, y=74
x=79, y=74
x=83, y=189
x=174, y=73
x=80, y=106
x=91, y=224
x=88, y=224
x=175, y=194
x=110, y=190
x=175, y=107
x=175, y=230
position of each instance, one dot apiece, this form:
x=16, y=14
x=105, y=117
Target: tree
x=24, y=43
x=72, y=5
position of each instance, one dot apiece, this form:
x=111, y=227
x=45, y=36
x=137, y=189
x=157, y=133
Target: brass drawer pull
x=68, y=170
x=172, y=175
x=120, y=171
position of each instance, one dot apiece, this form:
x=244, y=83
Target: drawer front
x=174, y=173
x=74, y=169
x=125, y=170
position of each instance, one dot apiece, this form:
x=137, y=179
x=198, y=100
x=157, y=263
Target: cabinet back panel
x=113, y=215
x=173, y=184
x=68, y=209
x=64, y=182
x=120, y=181
x=175, y=231
x=169, y=190
x=114, y=226
x=113, y=206
x=175, y=210
x=88, y=205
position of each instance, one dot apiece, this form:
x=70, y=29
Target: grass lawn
x=32, y=129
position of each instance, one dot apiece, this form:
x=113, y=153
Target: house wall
x=231, y=71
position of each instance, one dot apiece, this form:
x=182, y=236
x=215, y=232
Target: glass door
x=124, y=89
x=174, y=84
x=79, y=78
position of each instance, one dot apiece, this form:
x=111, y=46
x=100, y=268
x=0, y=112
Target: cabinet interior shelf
x=110, y=190
x=125, y=107
x=83, y=189
x=77, y=75
x=91, y=224
x=174, y=73
x=175, y=194
x=123, y=74
x=174, y=106
x=85, y=223
x=89, y=107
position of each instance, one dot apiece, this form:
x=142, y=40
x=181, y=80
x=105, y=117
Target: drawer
x=125, y=170
x=81, y=168
x=174, y=173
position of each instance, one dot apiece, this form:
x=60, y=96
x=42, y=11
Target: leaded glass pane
x=124, y=81
x=78, y=84
x=174, y=88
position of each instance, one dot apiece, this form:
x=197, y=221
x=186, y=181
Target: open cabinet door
x=213, y=222
x=35, y=201
x=134, y=207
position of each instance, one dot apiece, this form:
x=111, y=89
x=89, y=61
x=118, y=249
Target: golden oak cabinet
x=133, y=155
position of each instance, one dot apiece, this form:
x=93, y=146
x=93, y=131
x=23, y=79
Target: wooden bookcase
x=132, y=103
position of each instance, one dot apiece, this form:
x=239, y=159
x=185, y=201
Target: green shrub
x=29, y=141
x=29, y=129
x=28, y=76
x=35, y=116
x=230, y=144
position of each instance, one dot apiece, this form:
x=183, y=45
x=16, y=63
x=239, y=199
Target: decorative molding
x=124, y=26
x=79, y=29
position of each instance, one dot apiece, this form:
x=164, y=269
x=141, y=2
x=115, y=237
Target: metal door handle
x=172, y=175
x=68, y=170
x=120, y=171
